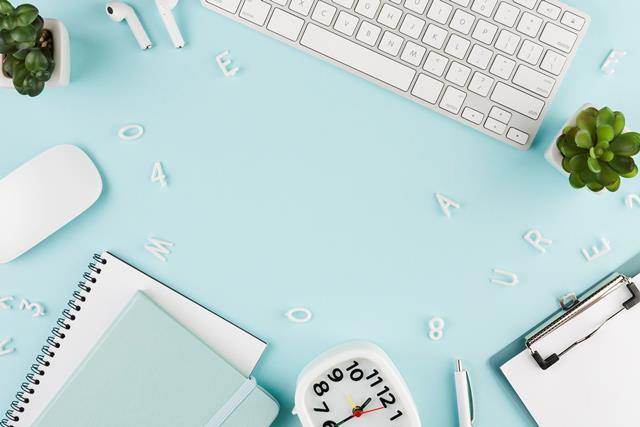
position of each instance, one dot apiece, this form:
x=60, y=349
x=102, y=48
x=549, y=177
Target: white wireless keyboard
x=490, y=64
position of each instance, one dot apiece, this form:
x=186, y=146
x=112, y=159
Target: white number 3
x=157, y=175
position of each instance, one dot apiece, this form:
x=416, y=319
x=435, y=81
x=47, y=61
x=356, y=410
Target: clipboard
x=571, y=309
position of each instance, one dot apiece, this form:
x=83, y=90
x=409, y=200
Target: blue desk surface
x=297, y=184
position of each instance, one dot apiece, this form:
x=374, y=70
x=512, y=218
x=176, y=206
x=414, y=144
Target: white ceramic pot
x=553, y=154
x=61, y=54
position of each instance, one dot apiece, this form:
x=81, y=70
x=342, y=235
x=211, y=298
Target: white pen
x=464, y=395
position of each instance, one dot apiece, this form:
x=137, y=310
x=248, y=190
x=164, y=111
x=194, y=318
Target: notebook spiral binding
x=43, y=360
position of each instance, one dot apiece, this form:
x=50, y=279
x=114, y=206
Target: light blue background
x=295, y=183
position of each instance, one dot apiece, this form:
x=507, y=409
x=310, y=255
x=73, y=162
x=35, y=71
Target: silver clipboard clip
x=572, y=307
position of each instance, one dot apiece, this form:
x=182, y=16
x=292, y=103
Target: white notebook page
x=596, y=384
x=116, y=285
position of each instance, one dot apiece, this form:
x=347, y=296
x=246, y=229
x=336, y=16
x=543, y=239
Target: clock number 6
x=321, y=388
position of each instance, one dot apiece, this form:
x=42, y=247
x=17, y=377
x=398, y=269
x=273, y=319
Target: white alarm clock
x=354, y=385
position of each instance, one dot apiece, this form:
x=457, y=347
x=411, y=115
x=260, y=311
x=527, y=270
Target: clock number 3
x=321, y=388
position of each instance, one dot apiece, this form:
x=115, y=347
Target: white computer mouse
x=43, y=195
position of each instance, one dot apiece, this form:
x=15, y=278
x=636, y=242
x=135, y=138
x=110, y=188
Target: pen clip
x=471, y=405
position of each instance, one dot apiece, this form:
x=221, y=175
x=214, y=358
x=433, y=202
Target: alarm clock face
x=355, y=393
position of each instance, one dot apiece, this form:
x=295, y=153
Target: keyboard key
x=553, y=62
x=427, y=88
x=413, y=53
x=485, y=32
x=480, y=84
x=452, y=100
x=517, y=100
x=549, y=10
x=412, y=26
x=285, y=24
x=358, y=57
x=323, y=13
x=367, y=8
x=502, y=67
x=484, y=7
x=534, y=81
x=530, y=52
x=516, y=135
x=526, y=3
x=458, y=74
x=480, y=56
x=572, y=20
x=368, y=33
x=390, y=43
x=301, y=6
x=434, y=36
x=255, y=11
x=344, y=3
x=389, y=16
x=507, y=14
x=558, y=37
x=228, y=5
x=507, y=42
x=439, y=11
x=435, y=63
x=500, y=115
x=457, y=46
x=529, y=24
x=495, y=126
x=346, y=23
x=417, y=6
x=474, y=116
x=462, y=21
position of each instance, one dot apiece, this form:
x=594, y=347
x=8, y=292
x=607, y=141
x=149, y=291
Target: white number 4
x=157, y=175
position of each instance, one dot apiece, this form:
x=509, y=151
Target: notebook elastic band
x=233, y=403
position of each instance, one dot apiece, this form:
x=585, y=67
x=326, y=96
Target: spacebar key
x=358, y=57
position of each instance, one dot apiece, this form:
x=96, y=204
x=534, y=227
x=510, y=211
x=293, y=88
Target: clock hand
x=357, y=412
x=373, y=410
x=366, y=402
x=345, y=420
x=351, y=402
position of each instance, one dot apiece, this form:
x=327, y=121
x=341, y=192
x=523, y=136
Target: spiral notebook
x=107, y=293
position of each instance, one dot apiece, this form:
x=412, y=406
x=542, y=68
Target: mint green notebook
x=148, y=370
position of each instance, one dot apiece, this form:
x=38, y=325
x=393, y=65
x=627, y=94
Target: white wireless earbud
x=118, y=11
x=165, y=7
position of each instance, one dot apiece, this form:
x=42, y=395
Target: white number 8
x=436, y=328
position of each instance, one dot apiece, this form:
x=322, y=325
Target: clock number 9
x=336, y=375
x=321, y=388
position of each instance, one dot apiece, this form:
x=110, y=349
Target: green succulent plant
x=26, y=46
x=595, y=151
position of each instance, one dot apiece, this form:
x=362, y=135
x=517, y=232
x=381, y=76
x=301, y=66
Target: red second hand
x=372, y=410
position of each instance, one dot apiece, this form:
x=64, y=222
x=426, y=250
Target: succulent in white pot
x=595, y=149
x=34, y=52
